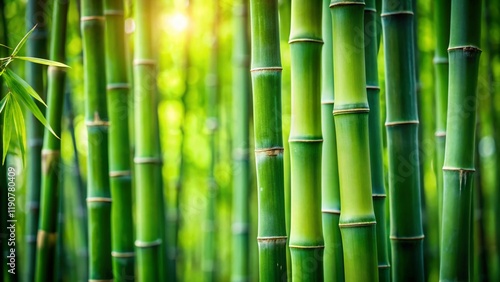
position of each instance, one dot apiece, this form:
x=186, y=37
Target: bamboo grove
x=249, y=140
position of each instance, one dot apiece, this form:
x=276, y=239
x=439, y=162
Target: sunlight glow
x=177, y=22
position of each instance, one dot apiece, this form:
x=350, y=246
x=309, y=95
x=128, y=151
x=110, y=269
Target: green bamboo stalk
x=333, y=261
x=458, y=168
x=357, y=218
x=212, y=123
x=148, y=188
x=4, y=247
x=284, y=12
x=119, y=154
x=96, y=120
x=306, y=234
x=266, y=88
x=376, y=164
x=441, y=39
x=241, y=140
x=51, y=152
x=36, y=47
x=402, y=136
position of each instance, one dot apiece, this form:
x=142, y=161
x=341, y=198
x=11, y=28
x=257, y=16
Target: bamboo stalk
x=441, y=38
x=4, y=247
x=241, y=140
x=402, y=136
x=357, y=219
x=333, y=261
x=266, y=85
x=458, y=169
x=284, y=12
x=306, y=234
x=96, y=120
x=36, y=47
x=119, y=161
x=51, y=153
x=376, y=165
x=148, y=188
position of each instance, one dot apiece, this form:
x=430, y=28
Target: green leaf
x=42, y=61
x=5, y=46
x=3, y=102
x=18, y=85
x=21, y=43
x=23, y=92
x=19, y=126
x=7, y=127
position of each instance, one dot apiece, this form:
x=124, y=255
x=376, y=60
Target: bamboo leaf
x=23, y=91
x=19, y=126
x=21, y=43
x=3, y=102
x=18, y=85
x=5, y=46
x=42, y=61
x=7, y=127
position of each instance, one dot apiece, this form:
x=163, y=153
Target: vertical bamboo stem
x=96, y=120
x=402, y=136
x=458, y=169
x=333, y=261
x=51, y=153
x=357, y=218
x=119, y=153
x=148, y=189
x=266, y=85
x=241, y=132
x=36, y=47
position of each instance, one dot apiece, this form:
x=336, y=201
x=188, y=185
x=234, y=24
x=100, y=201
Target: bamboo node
x=266, y=69
x=379, y=195
x=123, y=254
x=440, y=133
x=240, y=154
x=48, y=152
x=92, y=18
x=30, y=238
x=330, y=211
x=397, y=13
x=270, y=239
x=371, y=10
x=357, y=224
x=113, y=12
x=305, y=40
x=272, y=152
x=328, y=102
x=351, y=111
x=466, y=48
x=460, y=169
x=44, y=237
x=403, y=122
x=297, y=140
x=101, y=280
x=142, y=244
x=407, y=238
x=138, y=62
x=119, y=173
x=306, y=247
x=98, y=200
x=374, y=87
x=97, y=121
x=345, y=3
x=113, y=86
x=148, y=160
x=384, y=266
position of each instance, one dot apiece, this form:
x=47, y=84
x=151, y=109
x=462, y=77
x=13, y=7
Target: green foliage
x=19, y=91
